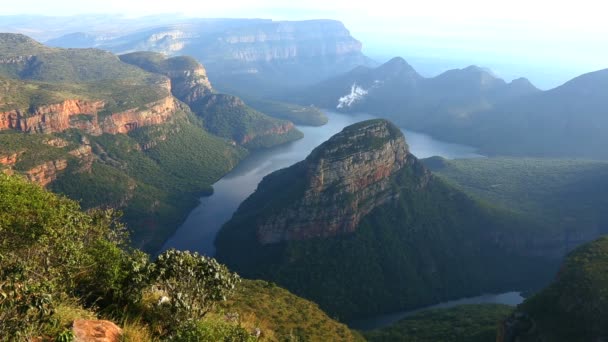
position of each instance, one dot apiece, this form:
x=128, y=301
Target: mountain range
x=474, y=107
x=244, y=56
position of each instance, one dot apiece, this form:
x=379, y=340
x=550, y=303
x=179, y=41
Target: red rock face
x=9, y=160
x=50, y=118
x=46, y=173
x=96, y=331
x=154, y=114
x=60, y=117
x=343, y=184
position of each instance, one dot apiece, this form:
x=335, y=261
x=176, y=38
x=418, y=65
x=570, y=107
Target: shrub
x=186, y=286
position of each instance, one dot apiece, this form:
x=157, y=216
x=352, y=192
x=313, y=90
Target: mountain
x=572, y=308
x=110, y=133
x=397, y=92
x=472, y=106
x=223, y=115
x=361, y=227
x=64, y=270
x=245, y=56
x=566, y=121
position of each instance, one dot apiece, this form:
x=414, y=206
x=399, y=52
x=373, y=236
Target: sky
x=557, y=39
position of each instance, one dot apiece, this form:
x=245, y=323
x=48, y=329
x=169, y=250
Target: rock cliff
x=84, y=115
x=344, y=179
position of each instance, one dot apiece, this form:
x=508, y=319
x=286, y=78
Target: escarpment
x=85, y=115
x=343, y=180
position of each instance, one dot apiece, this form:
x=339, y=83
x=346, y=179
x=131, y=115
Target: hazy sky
x=561, y=36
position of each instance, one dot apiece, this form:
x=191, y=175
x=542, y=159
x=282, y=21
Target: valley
x=198, y=232
x=175, y=178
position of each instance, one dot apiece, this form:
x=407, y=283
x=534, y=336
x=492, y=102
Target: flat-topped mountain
x=361, y=226
x=240, y=53
x=341, y=181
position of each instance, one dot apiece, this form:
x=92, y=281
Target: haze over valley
x=303, y=171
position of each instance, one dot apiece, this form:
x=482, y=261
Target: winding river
x=198, y=232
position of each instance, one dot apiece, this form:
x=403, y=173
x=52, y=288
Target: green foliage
x=559, y=195
x=282, y=316
x=466, y=323
x=55, y=259
x=157, y=186
x=432, y=244
x=191, y=284
x=217, y=330
x=50, y=248
x=300, y=115
x=228, y=117
x=574, y=307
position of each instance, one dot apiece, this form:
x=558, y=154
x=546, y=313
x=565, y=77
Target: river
x=377, y=322
x=198, y=232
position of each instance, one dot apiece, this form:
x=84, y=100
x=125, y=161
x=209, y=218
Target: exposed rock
x=344, y=179
x=153, y=114
x=56, y=142
x=83, y=115
x=96, y=331
x=9, y=160
x=46, y=173
x=49, y=118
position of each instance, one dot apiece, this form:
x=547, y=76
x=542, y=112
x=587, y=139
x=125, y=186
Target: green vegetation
x=560, y=195
x=432, y=244
x=55, y=65
x=32, y=150
x=278, y=313
x=466, y=323
x=156, y=186
x=574, y=307
x=300, y=115
x=228, y=117
x=59, y=264
x=51, y=75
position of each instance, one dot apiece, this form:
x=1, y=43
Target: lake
x=198, y=232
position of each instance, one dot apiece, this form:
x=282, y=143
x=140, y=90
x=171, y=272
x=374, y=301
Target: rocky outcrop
x=48, y=118
x=152, y=114
x=96, y=331
x=343, y=180
x=9, y=160
x=190, y=85
x=47, y=172
x=83, y=115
